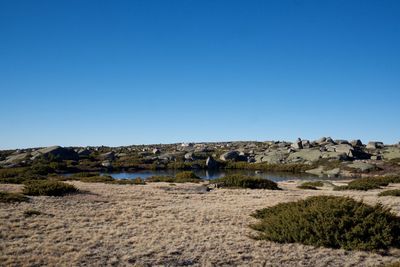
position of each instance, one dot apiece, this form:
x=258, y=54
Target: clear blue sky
x=132, y=72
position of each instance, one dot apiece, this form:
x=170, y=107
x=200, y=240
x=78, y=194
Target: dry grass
x=159, y=224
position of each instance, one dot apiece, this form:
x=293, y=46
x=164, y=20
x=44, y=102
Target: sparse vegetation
x=364, y=184
x=394, y=193
x=182, y=177
x=48, y=188
x=242, y=181
x=29, y=213
x=329, y=221
x=311, y=185
x=9, y=197
x=288, y=167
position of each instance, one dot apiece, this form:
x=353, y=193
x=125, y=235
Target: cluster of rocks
x=273, y=152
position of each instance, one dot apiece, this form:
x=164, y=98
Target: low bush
x=187, y=177
x=48, y=188
x=96, y=179
x=394, y=193
x=29, y=213
x=8, y=197
x=311, y=185
x=160, y=178
x=84, y=174
x=287, y=167
x=182, y=177
x=136, y=181
x=364, y=184
x=329, y=221
x=242, y=181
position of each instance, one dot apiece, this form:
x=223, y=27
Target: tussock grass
x=29, y=213
x=394, y=193
x=48, y=188
x=182, y=177
x=364, y=184
x=8, y=197
x=329, y=221
x=311, y=185
x=242, y=181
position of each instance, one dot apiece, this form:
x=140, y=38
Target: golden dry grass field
x=163, y=224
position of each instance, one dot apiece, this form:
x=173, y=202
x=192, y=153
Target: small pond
x=213, y=174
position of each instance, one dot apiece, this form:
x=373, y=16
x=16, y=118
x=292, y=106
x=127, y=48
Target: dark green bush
x=8, y=197
x=187, y=177
x=136, y=181
x=329, y=221
x=48, y=188
x=287, y=167
x=365, y=184
x=242, y=181
x=29, y=213
x=97, y=179
x=159, y=178
x=311, y=185
x=394, y=192
x=183, y=177
x=84, y=174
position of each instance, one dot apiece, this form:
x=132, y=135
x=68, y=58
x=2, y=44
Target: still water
x=213, y=174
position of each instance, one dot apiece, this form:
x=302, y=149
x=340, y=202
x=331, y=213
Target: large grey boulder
x=58, y=152
x=211, y=163
x=17, y=158
x=362, y=166
x=344, y=149
x=374, y=145
x=108, y=156
x=272, y=157
x=305, y=155
x=230, y=155
x=356, y=143
x=297, y=144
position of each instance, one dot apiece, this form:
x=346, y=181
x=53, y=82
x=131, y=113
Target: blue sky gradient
x=133, y=72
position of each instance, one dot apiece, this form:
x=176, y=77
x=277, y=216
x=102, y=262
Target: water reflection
x=213, y=174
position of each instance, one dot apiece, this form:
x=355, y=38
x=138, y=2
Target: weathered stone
x=156, y=151
x=374, y=145
x=317, y=171
x=211, y=163
x=306, y=155
x=230, y=155
x=297, y=144
x=356, y=143
x=391, y=153
x=345, y=149
x=108, y=156
x=189, y=156
x=57, y=152
x=362, y=166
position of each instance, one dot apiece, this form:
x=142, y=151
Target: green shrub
x=394, y=192
x=263, y=166
x=184, y=177
x=29, y=213
x=393, y=264
x=311, y=185
x=160, y=178
x=365, y=184
x=307, y=187
x=136, y=181
x=329, y=221
x=187, y=177
x=8, y=197
x=242, y=181
x=48, y=188
x=97, y=179
x=84, y=174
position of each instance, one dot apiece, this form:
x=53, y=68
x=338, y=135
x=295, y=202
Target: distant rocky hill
x=324, y=156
